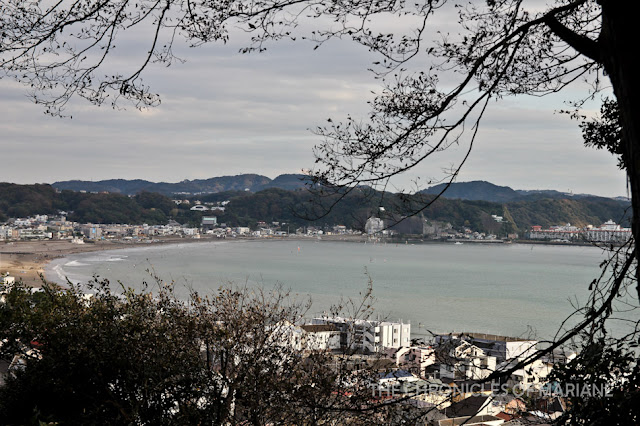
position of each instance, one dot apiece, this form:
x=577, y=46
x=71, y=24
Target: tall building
x=369, y=336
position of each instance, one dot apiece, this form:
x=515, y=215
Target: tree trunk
x=618, y=49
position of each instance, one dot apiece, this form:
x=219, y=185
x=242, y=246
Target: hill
x=486, y=191
x=476, y=190
x=288, y=181
x=293, y=207
x=251, y=182
x=242, y=182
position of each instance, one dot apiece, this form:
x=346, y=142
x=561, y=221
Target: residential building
x=414, y=359
x=209, y=222
x=460, y=359
x=242, y=230
x=92, y=232
x=369, y=336
x=320, y=337
x=501, y=347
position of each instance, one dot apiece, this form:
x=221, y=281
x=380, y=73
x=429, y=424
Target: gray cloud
x=226, y=113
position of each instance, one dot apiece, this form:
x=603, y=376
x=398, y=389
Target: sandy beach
x=26, y=260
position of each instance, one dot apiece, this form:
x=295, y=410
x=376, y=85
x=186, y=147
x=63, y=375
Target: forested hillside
x=294, y=208
x=251, y=182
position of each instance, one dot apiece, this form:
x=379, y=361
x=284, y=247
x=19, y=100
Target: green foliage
x=293, y=208
x=605, y=132
x=150, y=359
x=154, y=201
x=133, y=187
x=578, y=212
x=24, y=200
x=105, y=360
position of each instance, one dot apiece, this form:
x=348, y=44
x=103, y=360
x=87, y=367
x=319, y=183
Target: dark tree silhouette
x=504, y=48
x=605, y=132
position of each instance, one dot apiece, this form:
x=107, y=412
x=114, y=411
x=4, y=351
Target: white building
x=565, y=232
x=6, y=232
x=369, y=336
x=374, y=225
x=91, y=231
x=502, y=347
x=242, y=230
x=320, y=337
x=414, y=359
x=534, y=375
x=609, y=232
x=464, y=360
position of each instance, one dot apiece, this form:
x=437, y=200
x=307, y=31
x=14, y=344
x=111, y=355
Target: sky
x=225, y=113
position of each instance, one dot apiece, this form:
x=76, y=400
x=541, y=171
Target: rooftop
x=492, y=337
x=317, y=328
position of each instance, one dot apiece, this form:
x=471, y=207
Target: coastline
x=27, y=260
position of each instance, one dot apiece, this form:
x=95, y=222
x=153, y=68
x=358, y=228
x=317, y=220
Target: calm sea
x=507, y=289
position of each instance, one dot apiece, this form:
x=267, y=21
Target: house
x=8, y=280
x=476, y=405
x=534, y=375
x=501, y=347
x=387, y=378
x=209, y=222
x=462, y=360
x=506, y=404
x=242, y=230
x=415, y=359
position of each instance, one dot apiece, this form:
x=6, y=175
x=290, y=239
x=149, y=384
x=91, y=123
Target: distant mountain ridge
x=251, y=182
x=246, y=208
x=472, y=191
x=486, y=191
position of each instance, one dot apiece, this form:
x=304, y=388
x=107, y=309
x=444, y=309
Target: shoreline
x=28, y=260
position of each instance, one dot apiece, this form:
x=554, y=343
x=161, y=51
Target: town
x=46, y=227
x=457, y=378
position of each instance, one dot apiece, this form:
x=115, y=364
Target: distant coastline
x=28, y=260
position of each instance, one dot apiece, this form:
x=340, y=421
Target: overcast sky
x=224, y=113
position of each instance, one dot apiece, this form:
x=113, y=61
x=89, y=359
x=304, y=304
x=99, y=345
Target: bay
x=507, y=289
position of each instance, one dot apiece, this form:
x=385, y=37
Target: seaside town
x=449, y=375
x=265, y=213
x=28, y=244
x=446, y=376
x=45, y=227
x=447, y=372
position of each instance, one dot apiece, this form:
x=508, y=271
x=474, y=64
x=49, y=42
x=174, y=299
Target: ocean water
x=508, y=289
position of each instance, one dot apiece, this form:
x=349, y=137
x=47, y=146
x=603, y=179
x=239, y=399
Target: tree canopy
x=503, y=48
x=129, y=357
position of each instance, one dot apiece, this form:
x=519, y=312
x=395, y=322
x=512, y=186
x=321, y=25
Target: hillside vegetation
x=291, y=207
